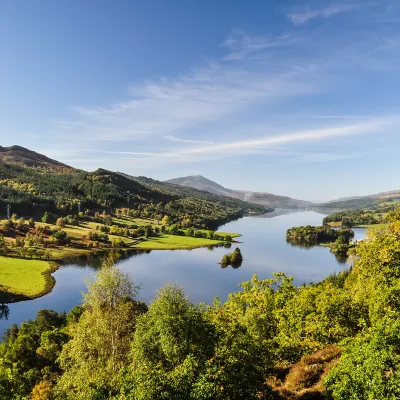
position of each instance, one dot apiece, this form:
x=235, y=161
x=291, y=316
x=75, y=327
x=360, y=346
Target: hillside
x=261, y=198
x=362, y=202
x=21, y=156
x=51, y=186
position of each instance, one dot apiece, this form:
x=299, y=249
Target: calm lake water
x=263, y=246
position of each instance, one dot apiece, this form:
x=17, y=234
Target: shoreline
x=8, y=297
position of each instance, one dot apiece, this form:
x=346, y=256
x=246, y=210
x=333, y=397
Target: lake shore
x=27, y=279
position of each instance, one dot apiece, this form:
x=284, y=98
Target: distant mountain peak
x=265, y=199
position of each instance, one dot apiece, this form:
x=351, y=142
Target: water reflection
x=4, y=311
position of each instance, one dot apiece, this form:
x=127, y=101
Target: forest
x=336, y=339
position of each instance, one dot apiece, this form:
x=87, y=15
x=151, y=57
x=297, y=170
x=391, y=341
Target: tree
x=21, y=222
x=225, y=260
x=171, y=347
x=236, y=258
x=165, y=220
x=46, y=218
x=8, y=225
x=42, y=391
x=60, y=222
x=100, y=340
x=149, y=232
x=60, y=237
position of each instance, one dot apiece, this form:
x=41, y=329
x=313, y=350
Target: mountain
x=187, y=191
x=18, y=155
x=261, y=198
x=201, y=183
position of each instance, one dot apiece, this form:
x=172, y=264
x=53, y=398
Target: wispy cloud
x=176, y=139
x=311, y=11
x=237, y=147
x=165, y=107
x=267, y=145
x=241, y=45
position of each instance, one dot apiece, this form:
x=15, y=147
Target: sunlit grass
x=24, y=277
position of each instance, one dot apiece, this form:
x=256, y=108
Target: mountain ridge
x=261, y=198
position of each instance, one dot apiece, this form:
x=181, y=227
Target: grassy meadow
x=24, y=279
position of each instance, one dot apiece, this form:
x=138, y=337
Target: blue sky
x=299, y=98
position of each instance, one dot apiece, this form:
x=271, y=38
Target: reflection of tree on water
x=341, y=258
x=95, y=260
x=227, y=245
x=4, y=311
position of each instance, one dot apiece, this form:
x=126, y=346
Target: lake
x=263, y=246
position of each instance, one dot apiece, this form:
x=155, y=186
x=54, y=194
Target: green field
x=372, y=226
x=24, y=279
x=172, y=242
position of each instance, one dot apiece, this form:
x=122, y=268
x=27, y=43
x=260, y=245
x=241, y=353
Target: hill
x=21, y=156
x=261, y=198
x=33, y=183
x=363, y=202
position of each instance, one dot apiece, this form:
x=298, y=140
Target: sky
x=297, y=98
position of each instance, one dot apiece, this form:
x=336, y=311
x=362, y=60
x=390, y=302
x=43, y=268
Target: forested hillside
x=367, y=202
x=55, y=188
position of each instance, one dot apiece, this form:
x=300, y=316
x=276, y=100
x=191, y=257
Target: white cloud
x=176, y=139
x=242, y=45
x=311, y=135
x=267, y=145
x=308, y=13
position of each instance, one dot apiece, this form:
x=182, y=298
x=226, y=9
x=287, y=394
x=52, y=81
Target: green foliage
x=314, y=235
x=352, y=218
x=172, y=345
x=369, y=367
x=28, y=353
x=100, y=339
x=235, y=259
x=375, y=279
x=60, y=237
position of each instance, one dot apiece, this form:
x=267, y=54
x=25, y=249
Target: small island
x=339, y=240
x=234, y=259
